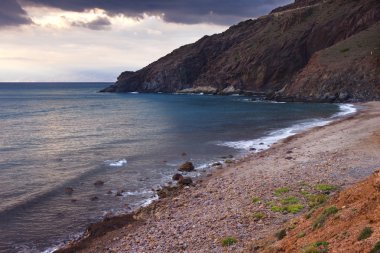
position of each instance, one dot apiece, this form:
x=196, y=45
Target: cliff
x=308, y=50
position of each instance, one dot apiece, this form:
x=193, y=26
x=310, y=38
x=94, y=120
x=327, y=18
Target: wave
x=265, y=142
x=117, y=163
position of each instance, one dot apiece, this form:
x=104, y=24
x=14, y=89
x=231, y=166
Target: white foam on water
x=265, y=142
x=134, y=92
x=117, y=163
x=136, y=193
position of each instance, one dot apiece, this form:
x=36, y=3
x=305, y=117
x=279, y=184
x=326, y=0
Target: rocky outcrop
x=269, y=54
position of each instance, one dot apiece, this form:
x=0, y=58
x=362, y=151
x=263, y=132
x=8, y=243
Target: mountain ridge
x=271, y=54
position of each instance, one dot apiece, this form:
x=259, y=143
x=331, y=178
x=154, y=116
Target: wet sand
x=237, y=200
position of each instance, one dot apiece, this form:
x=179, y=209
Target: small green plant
x=270, y=203
x=316, y=199
x=321, y=219
x=317, y=247
x=376, y=248
x=256, y=199
x=259, y=215
x=366, y=233
x=289, y=200
x=295, y=208
x=275, y=208
x=280, y=234
x=228, y=241
x=228, y=161
x=343, y=50
x=300, y=235
x=325, y=187
x=281, y=190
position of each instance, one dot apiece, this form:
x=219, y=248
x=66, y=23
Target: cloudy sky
x=94, y=40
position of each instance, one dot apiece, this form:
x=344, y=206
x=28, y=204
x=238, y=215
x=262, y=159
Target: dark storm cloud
x=224, y=12
x=12, y=14
x=97, y=24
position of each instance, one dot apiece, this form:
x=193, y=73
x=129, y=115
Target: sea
x=58, y=139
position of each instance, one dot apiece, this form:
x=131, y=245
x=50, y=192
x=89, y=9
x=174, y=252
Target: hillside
x=350, y=222
x=275, y=54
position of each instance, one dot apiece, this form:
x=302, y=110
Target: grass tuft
x=325, y=187
x=376, y=248
x=366, y=233
x=289, y=200
x=321, y=219
x=228, y=241
x=281, y=190
x=259, y=215
x=256, y=199
x=316, y=199
x=280, y=234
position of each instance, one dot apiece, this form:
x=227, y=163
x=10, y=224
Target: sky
x=95, y=40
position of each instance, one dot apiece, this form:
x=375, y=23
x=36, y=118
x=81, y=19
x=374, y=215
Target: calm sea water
x=59, y=135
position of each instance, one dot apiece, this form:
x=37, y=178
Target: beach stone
x=216, y=164
x=252, y=149
x=99, y=183
x=69, y=190
x=187, y=166
x=185, y=181
x=177, y=177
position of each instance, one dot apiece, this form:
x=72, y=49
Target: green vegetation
x=343, y=50
x=376, y=248
x=228, y=161
x=321, y=219
x=294, y=208
x=366, y=233
x=259, y=215
x=280, y=234
x=289, y=200
x=300, y=235
x=325, y=187
x=281, y=190
x=316, y=199
x=228, y=241
x=317, y=247
x=256, y=199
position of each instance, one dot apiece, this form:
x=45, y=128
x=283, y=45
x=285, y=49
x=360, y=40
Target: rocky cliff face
x=309, y=50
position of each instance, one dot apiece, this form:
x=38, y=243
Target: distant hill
x=311, y=50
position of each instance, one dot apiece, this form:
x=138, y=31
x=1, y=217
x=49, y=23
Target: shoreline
x=101, y=230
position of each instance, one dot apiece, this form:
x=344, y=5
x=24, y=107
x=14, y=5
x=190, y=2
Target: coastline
x=225, y=199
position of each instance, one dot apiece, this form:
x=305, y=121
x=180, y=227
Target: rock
x=94, y=198
x=288, y=158
x=184, y=154
x=69, y=190
x=99, y=183
x=177, y=177
x=187, y=167
x=185, y=181
x=119, y=193
x=216, y=164
x=252, y=149
x=74, y=200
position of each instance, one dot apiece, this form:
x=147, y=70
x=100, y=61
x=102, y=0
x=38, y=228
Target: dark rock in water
x=187, y=166
x=119, y=193
x=252, y=149
x=69, y=190
x=184, y=154
x=74, y=200
x=216, y=164
x=99, y=183
x=109, y=192
x=94, y=198
x=261, y=143
x=177, y=177
x=185, y=181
